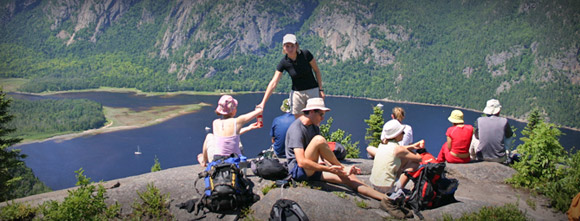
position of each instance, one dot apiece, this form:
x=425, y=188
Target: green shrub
x=154, y=205
x=352, y=150
x=541, y=153
x=17, y=211
x=82, y=203
x=156, y=166
x=562, y=191
x=545, y=166
x=508, y=212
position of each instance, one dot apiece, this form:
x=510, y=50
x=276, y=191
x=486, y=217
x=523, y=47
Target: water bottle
x=243, y=164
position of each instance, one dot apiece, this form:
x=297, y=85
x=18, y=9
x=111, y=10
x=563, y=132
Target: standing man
x=305, y=145
x=492, y=132
x=279, y=127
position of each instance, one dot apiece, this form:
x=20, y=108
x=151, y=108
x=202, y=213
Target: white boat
x=138, y=152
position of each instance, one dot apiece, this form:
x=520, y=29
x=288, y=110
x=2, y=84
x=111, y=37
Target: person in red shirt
x=456, y=149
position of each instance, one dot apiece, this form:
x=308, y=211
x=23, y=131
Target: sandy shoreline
x=109, y=128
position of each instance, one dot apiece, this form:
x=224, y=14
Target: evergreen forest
x=34, y=118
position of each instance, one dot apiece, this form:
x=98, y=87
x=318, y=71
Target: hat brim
x=491, y=110
x=316, y=108
x=396, y=133
x=455, y=121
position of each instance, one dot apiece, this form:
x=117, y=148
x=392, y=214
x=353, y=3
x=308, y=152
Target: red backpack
x=431, y=188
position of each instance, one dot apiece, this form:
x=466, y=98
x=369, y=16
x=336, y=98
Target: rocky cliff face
x=91, y=14
x=224, y=27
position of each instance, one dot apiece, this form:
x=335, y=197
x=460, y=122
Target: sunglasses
x=321, y=113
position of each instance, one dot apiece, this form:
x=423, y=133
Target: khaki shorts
x=298, y=99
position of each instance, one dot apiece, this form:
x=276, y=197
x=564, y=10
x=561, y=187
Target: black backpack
x=226, y=188
x=431, y=188
x=287, y=210
x=270, y=169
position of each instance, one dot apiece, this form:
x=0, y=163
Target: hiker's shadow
x=446, y=200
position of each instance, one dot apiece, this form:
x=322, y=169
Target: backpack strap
x=414, y=200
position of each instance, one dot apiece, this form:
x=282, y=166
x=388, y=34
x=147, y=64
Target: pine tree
x=533, y=120
x=9, y=158
x=375, y=122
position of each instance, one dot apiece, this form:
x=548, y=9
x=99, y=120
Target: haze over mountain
x=460, y=52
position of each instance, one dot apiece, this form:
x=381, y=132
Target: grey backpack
x=287, y=210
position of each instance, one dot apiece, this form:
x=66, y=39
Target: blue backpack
x=226, y=188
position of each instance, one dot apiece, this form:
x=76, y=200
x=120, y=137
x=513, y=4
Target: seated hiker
x=304, y=146
x=390, y=161
x=456, y=149
x=398, y=113
x=280, y=125
x=492, y=132
x=209, y=145
x=227, y=130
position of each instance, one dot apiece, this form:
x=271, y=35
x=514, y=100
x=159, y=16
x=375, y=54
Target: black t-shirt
x=299, y=70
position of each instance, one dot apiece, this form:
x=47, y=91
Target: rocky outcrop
x=96, y=14
x=8, y=9
x=481, y=184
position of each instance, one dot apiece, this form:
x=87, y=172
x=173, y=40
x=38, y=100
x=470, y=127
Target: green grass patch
x=12, y=84
x=508, y=212
x=340, y=194
x=362, y=204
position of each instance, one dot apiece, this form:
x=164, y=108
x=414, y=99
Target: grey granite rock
x=481, y=184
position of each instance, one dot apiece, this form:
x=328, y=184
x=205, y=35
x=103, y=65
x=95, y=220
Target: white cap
x=289, y=38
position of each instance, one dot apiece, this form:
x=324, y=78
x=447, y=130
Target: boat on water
x=138, y=152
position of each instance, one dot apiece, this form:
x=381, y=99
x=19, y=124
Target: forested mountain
x=526, y=53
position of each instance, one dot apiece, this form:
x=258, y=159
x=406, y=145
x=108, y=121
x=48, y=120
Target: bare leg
x=354, y=183
x=318, y=147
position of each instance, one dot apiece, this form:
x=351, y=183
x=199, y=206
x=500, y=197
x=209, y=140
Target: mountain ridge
x=458, y=53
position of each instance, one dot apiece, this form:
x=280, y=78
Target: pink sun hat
x=226, y=105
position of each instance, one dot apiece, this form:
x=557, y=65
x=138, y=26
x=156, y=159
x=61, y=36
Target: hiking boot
x=394, y=210
x=408, y=213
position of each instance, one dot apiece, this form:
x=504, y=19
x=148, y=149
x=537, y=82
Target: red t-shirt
x=460, y=138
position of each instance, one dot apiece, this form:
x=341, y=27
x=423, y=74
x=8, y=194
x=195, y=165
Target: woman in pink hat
x=300, y=64
x=227, y=130
x=456, y=149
